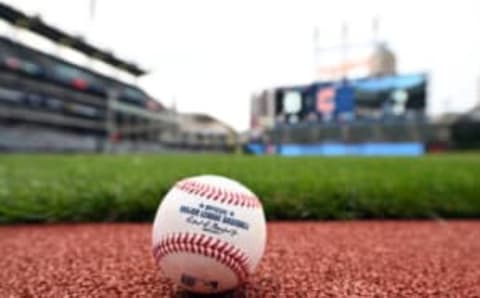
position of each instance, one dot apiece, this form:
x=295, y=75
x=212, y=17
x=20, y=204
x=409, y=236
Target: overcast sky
x=211, y=55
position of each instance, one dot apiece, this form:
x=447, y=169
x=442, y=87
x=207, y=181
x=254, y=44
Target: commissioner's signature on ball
x=214, y=220
x=210, y=226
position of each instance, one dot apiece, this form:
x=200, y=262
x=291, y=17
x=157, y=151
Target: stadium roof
x=36, y=25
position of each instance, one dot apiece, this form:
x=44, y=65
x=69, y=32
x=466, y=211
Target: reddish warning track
x=410, y=259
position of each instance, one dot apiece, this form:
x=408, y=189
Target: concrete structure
x=382, y=62
x=201, y=131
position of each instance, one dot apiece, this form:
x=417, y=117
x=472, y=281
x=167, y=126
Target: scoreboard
x=346, y=100
x=316, y=102
x=290, y=104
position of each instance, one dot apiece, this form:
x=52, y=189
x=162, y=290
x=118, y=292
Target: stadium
x=342, y=183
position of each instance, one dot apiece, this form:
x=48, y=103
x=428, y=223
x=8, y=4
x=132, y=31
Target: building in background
x=204, y=132
x=382, y=62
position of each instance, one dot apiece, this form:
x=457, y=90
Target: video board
x=406, y=90
x=346, y=99
x=290, y=104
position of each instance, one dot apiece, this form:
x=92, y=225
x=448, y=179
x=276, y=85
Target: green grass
x=48, y=188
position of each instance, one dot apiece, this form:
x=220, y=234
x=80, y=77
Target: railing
x=359, y=133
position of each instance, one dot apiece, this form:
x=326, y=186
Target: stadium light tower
x=92, y=8
x=376, y=29
x=346, y=57
x=344, y=48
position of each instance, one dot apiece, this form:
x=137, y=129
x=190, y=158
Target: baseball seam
x=221, y=251
x=218, y=194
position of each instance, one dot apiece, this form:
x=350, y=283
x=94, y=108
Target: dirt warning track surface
x=384, y=259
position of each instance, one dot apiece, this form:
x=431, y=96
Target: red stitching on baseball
x=218, y=194
x=223, y=252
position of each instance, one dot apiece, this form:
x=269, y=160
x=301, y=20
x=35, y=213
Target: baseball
x=209, y=234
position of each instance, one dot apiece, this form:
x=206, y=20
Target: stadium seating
x=26, y=139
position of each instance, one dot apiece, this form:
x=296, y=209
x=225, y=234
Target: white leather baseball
x=209, y=234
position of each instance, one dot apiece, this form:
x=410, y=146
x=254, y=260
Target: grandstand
x=48, y=103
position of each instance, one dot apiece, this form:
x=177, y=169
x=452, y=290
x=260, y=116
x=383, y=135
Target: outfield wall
x=339, y=149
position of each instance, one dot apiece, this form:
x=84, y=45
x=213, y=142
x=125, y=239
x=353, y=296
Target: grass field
x=52, y=188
